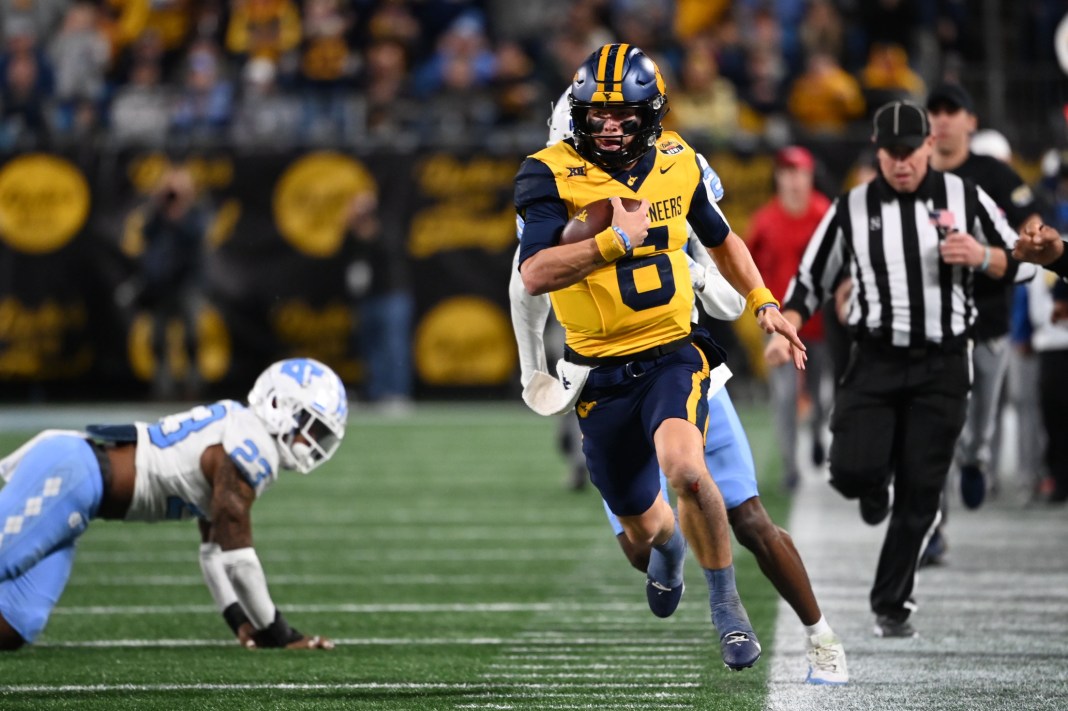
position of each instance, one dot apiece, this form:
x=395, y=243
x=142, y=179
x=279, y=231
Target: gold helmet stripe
x=610, y=65
x=602, y=63
x=617, y=73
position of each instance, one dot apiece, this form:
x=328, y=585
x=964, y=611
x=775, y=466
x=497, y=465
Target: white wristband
x=245, y=573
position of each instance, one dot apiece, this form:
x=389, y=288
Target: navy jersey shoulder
x=533, y=183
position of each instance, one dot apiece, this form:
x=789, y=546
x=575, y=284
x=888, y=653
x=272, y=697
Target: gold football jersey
x=645, y=299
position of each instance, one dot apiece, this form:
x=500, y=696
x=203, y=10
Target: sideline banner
x=273, y=269
x=84, y=312
x=46, y=290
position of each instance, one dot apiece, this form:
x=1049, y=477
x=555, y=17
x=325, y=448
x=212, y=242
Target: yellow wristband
x=760, y=296
x=610, y=245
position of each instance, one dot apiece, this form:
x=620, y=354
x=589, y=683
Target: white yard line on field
x=640, y=652
x=353, y=686
x=353, y=608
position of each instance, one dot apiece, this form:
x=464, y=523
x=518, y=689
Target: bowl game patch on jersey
x=669, y=147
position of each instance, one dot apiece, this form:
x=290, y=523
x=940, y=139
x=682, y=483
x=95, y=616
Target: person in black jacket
x=953, y=121
x=169, y=281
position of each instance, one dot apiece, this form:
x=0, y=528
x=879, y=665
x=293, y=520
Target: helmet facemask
x=645, y=130
x=617, y=77
x=313, y=441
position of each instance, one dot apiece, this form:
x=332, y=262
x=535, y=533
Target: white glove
x=547, y=395
x=529, y=315
x=717, y=296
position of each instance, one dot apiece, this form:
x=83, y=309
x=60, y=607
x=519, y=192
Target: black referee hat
x=900, y=123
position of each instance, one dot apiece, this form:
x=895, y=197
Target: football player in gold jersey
x=624, y=299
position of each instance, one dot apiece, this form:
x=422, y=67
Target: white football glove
x=717, y=296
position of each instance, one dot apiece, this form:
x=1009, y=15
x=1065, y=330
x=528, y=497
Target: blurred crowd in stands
x=280, y=72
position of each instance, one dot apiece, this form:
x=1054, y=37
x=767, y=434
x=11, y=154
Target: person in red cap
x=778, y=234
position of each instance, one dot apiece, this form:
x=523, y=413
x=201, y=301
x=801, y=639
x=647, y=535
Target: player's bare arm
x=231, y=530
x=737, y=266
x=566, y=264
x=231, y=501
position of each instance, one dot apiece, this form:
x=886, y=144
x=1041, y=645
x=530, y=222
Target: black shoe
x=935, y=552
x=663, y=600
x=790, y=482
x=875, y=506
x=578, y=477
x=972, y=486
x=888, y=627
x=819, y=456
x=740, y=649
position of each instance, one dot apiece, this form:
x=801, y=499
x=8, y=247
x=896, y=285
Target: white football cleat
x=826, y=660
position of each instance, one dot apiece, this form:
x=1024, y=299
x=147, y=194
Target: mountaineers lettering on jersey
x=643, y=299
x=664, y=210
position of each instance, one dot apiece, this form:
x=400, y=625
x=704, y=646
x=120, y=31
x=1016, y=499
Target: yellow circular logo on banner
x=44, y=202
x=465, y=340
x=213, y=354
x=312, y=197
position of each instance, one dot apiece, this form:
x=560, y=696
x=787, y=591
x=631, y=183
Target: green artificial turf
x=444, y=554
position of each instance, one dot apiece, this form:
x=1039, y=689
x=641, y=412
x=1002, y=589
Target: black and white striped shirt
x=888, y=244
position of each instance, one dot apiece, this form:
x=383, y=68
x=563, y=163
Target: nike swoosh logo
x=664, y=170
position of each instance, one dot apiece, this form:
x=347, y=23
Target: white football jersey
x=169, y=482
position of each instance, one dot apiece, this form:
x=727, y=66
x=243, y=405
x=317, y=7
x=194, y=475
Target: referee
x=911, y=241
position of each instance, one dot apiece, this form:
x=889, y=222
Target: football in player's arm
x=210, y=463
x=548, y=198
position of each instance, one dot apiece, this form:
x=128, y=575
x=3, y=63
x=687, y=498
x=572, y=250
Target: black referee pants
x=897, y=415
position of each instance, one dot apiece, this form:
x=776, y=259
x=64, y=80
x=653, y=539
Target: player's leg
x=27, y=600
x=637, y=555
x=730, y=460
x=54, y=491
x=676, y=411
x=653, y=543
x=704, y=522
x=623, y=467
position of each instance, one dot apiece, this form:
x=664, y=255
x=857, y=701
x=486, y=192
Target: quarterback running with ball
x=727, y=450
x=624, y=299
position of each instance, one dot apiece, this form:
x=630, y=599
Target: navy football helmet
x=618, y=76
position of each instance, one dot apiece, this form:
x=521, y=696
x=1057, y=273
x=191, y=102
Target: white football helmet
x=302, y=403
x=560, y=121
